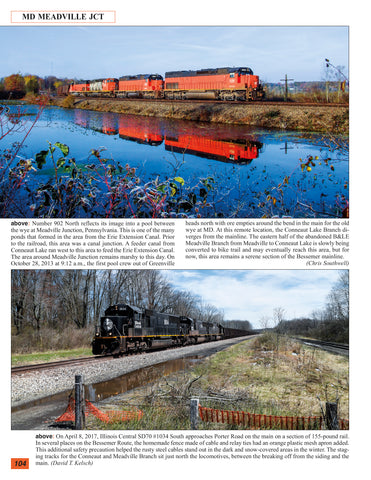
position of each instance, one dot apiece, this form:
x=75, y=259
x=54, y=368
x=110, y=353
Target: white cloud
x=269, y=51
x=252, y=294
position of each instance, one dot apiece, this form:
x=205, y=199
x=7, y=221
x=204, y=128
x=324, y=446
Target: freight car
x=128, y=329
x=227, y=83
x=63, y=90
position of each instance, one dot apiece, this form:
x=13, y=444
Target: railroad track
x=341, y=348
x=69, y=363
x=216, y=102
x=80, y=361
x=61, y=363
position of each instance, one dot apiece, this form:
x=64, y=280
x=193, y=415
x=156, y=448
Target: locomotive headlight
x=108, y=324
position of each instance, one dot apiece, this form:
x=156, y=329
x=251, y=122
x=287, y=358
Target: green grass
x=266, y=375
x=51, y=356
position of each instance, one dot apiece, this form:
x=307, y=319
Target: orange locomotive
x=80, y=88
x=237, y=83
x=101, y=86
x=227, y=83
x=144, y=86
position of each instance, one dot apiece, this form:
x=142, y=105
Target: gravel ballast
x=35, y=385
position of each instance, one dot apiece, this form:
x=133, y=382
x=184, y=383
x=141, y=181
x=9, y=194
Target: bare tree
x=74, y=287
x=339, y=297
x=184, y=303
x=157, y=290
x=265, y=322
x=210, y=313
x=58, y=298
x=278, y=318
x=20, y=280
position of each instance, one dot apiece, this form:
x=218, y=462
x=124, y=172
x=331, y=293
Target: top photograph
x=174, y=122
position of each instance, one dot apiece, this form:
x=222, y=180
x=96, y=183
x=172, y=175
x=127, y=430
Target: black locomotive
x=128, y=329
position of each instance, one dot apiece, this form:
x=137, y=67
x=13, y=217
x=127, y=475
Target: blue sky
x=253, y=294
x=93, y=52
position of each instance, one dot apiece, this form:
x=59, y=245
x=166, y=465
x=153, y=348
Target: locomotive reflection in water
x=224, y=150
x=219, y=145
x=255, y=173
x=141, y=130
x=128, y=329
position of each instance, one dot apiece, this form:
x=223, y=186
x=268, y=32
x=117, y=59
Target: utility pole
x=286, y=147
x=286, y=80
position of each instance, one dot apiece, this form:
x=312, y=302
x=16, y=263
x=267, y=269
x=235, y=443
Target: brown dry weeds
x=324, y=119
x=258, y=376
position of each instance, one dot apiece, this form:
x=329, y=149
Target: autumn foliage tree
x=15, y=83
x=31, y=84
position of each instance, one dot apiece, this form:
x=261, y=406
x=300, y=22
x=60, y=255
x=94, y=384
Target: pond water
x=254, y=173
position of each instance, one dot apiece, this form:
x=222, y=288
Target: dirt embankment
x=325, y=119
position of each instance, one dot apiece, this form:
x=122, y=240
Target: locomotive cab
x=153, y=82
x=186, y=325
x=119, y=321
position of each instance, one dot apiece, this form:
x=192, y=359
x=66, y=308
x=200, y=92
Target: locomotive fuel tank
x=201, y=95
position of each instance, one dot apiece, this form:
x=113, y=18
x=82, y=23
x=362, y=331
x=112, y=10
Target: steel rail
x=62, y=363
x=342, y=347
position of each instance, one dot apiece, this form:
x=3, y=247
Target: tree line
x=331, y=323
x=56, y=299
x=17, y=85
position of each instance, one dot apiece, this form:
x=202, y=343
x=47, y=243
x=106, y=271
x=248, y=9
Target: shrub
x=273, y=113
x=48, y=339
x=68, y=102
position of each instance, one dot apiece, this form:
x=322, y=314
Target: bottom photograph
x=179, y=350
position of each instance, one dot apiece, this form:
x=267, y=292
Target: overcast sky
x=85, y=52
x=253, y=294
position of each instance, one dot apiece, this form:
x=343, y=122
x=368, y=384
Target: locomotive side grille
x=172, y=86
